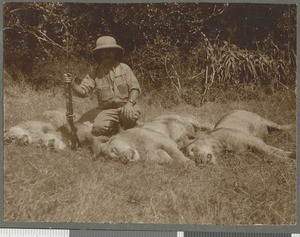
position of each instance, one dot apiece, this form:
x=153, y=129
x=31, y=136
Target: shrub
x=230, y=65
x=210, y=68
x=50, y=74
x=211, y=71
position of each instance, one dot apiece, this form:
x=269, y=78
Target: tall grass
x=67, y=186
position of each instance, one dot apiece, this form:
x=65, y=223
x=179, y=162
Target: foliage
x=187, y=48
x=211, y=66
x=50, y=75
x=230, y=65
x=32, y=34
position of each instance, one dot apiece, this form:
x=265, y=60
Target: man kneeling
x=116, y=87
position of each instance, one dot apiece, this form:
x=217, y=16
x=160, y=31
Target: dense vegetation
x=197, y=48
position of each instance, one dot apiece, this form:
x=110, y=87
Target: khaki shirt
x=112, y=86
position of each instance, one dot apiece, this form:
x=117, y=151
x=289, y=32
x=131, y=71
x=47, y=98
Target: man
x=116, y=88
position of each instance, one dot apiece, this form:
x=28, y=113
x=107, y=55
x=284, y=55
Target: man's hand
x=129, y=111
x=68, y=78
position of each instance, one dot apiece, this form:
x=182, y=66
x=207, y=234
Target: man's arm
x=134, y=86
x=128, y=109
x=133, y=96
x=78, y=90
x=87, y=85
x=134, y=92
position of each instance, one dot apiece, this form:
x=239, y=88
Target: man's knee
x=106, y=123
x=89, y=115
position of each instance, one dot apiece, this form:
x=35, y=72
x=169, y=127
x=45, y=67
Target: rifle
x=75, y=143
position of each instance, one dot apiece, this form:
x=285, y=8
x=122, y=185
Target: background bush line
x=188, y=53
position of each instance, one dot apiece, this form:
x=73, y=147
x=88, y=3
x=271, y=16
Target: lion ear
x=221, y=145
x=136, y=155
x=25, y=139
x=114, y=150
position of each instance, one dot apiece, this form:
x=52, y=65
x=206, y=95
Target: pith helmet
x=106, y=42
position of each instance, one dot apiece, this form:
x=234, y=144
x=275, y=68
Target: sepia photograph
x=149, y=113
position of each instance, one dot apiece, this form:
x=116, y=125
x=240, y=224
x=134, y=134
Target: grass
x=67, y=186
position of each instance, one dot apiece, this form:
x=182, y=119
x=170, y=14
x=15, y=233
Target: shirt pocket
x=122, y=86
x=104, y=91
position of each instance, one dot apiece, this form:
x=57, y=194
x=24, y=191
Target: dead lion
x=178, y=128
x=159, y=139
x=237, y=131
x=61, y=137
x=27, y=132
x=40, y=130
x=50, y=129
x=141, y=143
x=83, y=132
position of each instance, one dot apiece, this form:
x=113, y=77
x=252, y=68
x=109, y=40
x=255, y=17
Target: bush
x=230, y=64
x=167, y=70
x=212, y=71
x=50, y=74
x=210, y=68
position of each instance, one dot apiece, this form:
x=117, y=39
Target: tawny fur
x=27, y=131
x=83, y=132
x=158, y=139
x=178, y=128
x=39, y=130
x=141, y=143
x=249, y=123
x=57, y=117
x=238, y=131
x=52, y=140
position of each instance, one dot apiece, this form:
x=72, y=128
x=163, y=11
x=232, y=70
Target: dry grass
x=68, y=186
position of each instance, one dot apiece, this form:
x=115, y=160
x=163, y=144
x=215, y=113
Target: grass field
x=67, y=186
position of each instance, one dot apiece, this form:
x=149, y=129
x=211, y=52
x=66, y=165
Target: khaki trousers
x=108, y=122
